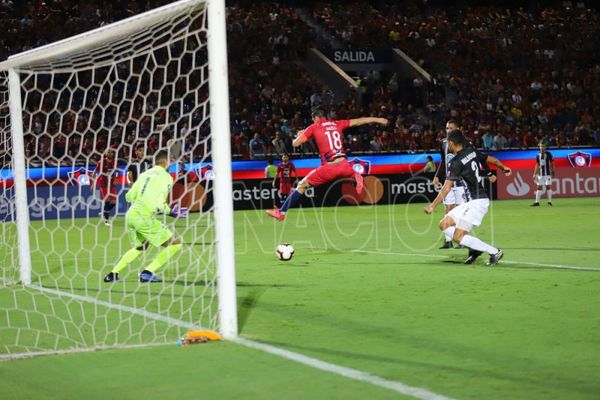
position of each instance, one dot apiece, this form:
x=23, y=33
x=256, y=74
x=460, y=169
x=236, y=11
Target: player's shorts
x=330, y=172
x=543, y=180
x=285, y=188
x=469, y=214
x=146, y=229
x=456, y=195
x=108, y=192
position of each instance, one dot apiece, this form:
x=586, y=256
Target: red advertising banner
x=568, y=182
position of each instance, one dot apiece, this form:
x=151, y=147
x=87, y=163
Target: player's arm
x=536, y=170
x=161, y=197
x=130, y=177
x=497, y=163
x=302, y=137
x=368, y=120
x=440, y=197
x=440, y=173
x=133, y=193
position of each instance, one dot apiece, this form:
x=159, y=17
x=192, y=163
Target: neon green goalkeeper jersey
x=148, y=194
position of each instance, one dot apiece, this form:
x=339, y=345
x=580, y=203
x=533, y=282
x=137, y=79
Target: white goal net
x=131, y=89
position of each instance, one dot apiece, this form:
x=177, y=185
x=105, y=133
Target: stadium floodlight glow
x=159, y=74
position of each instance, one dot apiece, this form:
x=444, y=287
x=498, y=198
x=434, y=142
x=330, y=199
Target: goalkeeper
x=148, y=196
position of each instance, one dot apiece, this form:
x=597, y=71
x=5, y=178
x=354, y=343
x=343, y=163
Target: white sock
x=449, y=233
x=476, y=244
x=549, y=193
x=538, y=195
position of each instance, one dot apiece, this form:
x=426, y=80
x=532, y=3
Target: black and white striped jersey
x=543, y=161
x=465, y=168
x=446, y=156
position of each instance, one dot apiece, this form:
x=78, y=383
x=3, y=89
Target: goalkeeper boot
x=494, y=258
x=276, y=214
x=147, y=276
x=112, y=277
x=473, y=255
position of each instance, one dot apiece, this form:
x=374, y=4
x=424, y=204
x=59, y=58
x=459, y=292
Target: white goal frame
x=220, y=137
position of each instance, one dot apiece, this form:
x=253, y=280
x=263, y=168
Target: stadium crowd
x=513, y=77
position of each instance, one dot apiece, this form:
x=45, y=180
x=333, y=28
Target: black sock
x=108, y=206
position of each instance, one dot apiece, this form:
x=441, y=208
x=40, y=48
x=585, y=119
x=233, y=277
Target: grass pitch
x=367, y=289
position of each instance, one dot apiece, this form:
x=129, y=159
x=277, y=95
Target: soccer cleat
x=460, y=246
x=536, y=204
x=275, y=213
x=147, y=276
x=494, y=258
x=105, y=221
x=359, y=182
x=112, y=277
x=447, y=245
x=550, y=203
x=473, y=255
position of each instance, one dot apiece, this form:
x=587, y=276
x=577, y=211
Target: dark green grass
x=525, y=329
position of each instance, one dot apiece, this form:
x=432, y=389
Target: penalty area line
x=511, y=262
x=349, y=373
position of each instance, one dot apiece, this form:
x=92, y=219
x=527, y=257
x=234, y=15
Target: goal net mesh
x=146, y=88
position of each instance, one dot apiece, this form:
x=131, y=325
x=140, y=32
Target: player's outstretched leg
x=171, y=247
x=462, y=236
x=126, y=259
x=292, y=200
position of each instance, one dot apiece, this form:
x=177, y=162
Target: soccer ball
x=284, y=252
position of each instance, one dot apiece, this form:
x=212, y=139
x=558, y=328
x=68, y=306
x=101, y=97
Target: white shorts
x=456, y=195
x=469, y=214
x=543, y=180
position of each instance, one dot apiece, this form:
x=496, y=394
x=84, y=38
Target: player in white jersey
x=543, y=174
x=456, y=196
x=459, y=222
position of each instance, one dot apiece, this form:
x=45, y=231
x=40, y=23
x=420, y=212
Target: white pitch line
x=399, y=387
x=557, y=266
x=355, y=374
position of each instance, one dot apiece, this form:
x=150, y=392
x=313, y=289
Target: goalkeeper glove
x=179, y=212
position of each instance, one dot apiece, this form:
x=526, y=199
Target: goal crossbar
x=107, y=33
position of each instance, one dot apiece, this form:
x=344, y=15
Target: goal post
x=20, y=176
x=139, y=82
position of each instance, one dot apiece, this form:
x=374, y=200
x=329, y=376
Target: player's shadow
x=559, y=384
x=247, y=304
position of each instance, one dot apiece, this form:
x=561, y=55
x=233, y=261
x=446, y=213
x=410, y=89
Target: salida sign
x=361, y=56
x=568, y=182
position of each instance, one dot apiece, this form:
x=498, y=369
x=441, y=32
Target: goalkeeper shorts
x=146, y=229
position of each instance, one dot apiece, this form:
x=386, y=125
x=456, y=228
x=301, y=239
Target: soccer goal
x=132, y=87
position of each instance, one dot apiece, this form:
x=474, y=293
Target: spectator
x=500, y=142
x=257, y=147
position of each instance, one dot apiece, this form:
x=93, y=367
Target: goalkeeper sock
x=127, y=259
x=476, y=244
x=163, y=257
x=291, y=201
